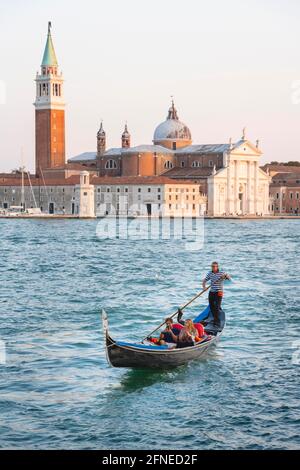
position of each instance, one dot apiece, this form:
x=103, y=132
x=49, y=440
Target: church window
x=111, y=165
x=211, y=163
x=277, y=195
x=158, y=197
x=170, y=206
x=174, y=145
x=196, y=164
x=139, y=190
x=149, y=190
x=126, y=190
x=158, y=190
x=291, y=195
x=182, y=163
x=168, y=164
x=297, y=195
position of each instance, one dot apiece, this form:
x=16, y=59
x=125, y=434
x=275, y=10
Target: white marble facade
x=241, y=187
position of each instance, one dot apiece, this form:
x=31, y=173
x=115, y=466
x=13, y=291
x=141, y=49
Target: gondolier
x=216, y=278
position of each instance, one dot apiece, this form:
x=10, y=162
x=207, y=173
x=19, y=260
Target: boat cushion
x=200, y=329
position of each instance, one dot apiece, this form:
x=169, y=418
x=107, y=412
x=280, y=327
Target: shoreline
x=206, y=217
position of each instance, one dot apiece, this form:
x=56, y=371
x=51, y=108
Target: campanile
x=49, y=112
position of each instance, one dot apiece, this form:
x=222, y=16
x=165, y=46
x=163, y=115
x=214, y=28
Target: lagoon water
x=56, y=389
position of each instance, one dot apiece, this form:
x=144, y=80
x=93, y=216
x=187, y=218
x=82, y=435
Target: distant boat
x=146, y=354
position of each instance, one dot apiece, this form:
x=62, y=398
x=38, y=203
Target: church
x=228, y=173
x=229, y=179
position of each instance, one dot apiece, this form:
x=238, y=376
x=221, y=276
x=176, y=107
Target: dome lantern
x=172, y=133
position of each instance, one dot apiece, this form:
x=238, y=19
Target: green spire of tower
x=49, y=57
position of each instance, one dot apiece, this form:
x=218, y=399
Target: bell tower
x=125, y=138
x=101, y=141
x=49, y=112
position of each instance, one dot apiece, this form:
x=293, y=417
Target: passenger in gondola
x=169, y=334
x=188, y=336
x=199, y=327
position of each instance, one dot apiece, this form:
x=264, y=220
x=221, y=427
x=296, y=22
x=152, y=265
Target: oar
x=181, y=308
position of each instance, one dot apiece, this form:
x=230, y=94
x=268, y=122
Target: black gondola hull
x=131, y=357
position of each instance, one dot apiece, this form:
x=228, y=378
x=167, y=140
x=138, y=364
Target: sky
x=229, y=65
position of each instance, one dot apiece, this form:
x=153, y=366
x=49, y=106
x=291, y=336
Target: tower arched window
x=111, y=165
x=196, y=164
x=168, y=165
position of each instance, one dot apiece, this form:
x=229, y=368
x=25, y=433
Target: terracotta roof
x=39, y=181
x=288, y=184
x=281, y=168
x=287, y=176
x=189, y=172
x=140, y=180
x=96, y=180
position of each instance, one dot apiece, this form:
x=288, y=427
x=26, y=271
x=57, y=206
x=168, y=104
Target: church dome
x=172, y=129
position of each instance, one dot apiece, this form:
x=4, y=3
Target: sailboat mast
x=22, y=188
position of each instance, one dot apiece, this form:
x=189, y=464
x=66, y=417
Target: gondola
x=147, y=355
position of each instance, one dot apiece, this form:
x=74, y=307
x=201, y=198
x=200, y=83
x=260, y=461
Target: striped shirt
x=216, y=281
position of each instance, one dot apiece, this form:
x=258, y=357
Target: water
x=56, y=389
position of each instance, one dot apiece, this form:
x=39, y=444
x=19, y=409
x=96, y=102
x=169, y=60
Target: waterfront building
x=89, y=196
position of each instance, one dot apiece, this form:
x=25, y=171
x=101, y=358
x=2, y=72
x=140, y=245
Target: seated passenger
x=169, y=334
x=188, y=336
x=199, y=327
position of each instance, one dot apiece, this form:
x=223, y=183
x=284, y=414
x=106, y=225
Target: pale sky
x=229, y=64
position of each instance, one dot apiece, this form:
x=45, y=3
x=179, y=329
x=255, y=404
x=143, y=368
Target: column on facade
x=236, y=187
x=249, y=187
x=255, y=186
x=228, y=208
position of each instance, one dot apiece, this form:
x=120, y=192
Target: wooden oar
x=181, y=308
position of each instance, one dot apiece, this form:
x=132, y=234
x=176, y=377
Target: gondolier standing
x=216, y=278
